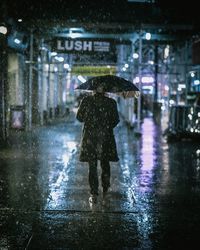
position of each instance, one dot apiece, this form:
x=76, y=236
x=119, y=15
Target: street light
x=3, y=29
x=148, y=36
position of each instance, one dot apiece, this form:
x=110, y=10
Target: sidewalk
x=153, y=202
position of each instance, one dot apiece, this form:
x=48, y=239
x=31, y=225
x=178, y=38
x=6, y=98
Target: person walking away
x=100, y=115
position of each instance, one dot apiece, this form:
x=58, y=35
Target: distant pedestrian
x=100, y=115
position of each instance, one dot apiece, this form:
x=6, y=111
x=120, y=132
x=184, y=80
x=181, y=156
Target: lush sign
x=82, y=45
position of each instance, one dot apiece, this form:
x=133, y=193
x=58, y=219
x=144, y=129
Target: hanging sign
x=82, y=45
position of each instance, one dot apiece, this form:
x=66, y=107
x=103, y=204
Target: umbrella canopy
x=110, y=84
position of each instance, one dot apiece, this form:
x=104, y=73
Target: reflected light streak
x=58, y=186
x=69, y=145
x=147, y=151
x=144, y=221
x=65, y=159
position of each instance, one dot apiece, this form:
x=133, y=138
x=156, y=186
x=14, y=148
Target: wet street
x=153, y=203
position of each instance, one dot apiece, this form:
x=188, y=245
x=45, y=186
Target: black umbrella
x=110, y=84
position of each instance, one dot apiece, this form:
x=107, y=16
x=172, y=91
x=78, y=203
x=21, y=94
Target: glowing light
x=147, y=79
x=135, y=55
x=151, y=62
x=64, y=97
x=81, y=78
x=17, y=41
x=54, y=53
x=66, y=66
x=59, y=58
x=148, y=36
x=47, y=67
x=3, y=30
x=74, y=35
x=182, y=86
x=166, y=51
x=136, y=79
x=126, y=65
x=171, y=102
x=166, y=87
x=190, y=116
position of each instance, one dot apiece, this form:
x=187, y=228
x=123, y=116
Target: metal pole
x=4, y=109
x=48, y=87
x=132, y=102
x=30, y=83
x=63, y=94
x=41, y=87
x=156, y=74
x=185, y=69
x=139, y=84
x=3, y=76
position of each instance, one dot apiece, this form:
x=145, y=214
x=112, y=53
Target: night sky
x=104, y=10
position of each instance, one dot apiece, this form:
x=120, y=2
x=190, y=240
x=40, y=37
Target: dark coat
x=99, y=114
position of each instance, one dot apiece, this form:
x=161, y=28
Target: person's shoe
x=93, y=198
x=105, y=190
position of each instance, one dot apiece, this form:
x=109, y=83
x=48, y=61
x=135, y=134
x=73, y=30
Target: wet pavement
x=153, y=203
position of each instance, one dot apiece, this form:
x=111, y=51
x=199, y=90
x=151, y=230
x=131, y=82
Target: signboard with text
x=95, y=49
x=67, y=45
x=82, y=45
x=17, y=119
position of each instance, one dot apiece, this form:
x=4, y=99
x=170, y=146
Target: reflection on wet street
x=153, y=203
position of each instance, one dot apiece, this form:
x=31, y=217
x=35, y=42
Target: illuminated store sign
x=71, y=45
